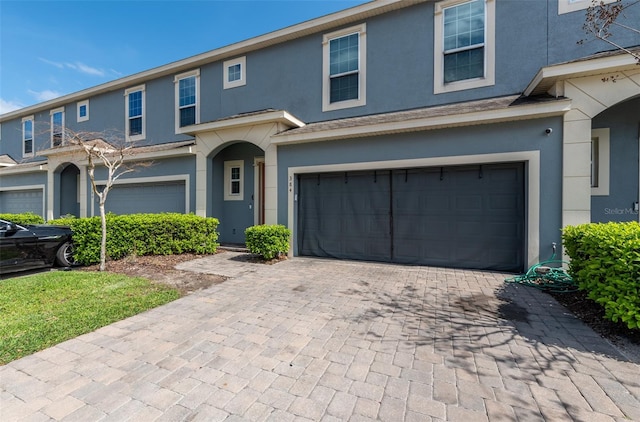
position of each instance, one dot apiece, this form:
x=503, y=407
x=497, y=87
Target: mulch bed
x=592, y=314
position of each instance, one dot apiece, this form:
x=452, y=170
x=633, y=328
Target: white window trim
x=228, y=165
x=51, y=113
x=142, y=136
x=439, y=87
x=33, y=136
x=176, y=82
x=226, y=83
x=327, y=105
x=567, y=6
x=604, y=161
x=78, y=105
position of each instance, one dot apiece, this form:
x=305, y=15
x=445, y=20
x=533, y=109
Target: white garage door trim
x=27, y=187
x=155, y=179
x=532, y=175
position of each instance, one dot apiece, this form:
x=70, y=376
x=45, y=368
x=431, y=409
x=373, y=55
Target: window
x=27, y=136
x=234, y=73
x=83, y=111
x=566, y=6
x=464, y=45
x=344, y=65
x=600, y=162
x=134, y=112
x=187, y=98
x=57, y=126
x=233, y=173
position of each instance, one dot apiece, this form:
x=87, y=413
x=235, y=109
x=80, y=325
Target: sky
x=53, y=48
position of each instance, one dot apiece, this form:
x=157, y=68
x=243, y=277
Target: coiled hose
x=547, y=275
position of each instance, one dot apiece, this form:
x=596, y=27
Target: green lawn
x=41, y=310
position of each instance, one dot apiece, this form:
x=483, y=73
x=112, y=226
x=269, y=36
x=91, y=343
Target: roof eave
x=548, y=76
x=276, y=116
x=522, y=112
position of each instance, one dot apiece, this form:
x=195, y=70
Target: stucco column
x=576, y=169
x=50, y=190
x=84, y=189
x=201, y=184
x=271, y=185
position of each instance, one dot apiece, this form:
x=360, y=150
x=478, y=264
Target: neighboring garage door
x=147, y=198
x=463, y=217
x=16, y=202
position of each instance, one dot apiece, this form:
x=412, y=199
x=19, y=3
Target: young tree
x=603, y=21
x=116, y=156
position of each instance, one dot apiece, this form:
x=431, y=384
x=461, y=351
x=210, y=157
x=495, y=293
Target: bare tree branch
x=600, y=18
x=117, y=157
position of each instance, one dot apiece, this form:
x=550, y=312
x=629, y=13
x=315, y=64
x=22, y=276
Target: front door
x=237, y=197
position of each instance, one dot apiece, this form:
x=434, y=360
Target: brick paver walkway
x=311, y=339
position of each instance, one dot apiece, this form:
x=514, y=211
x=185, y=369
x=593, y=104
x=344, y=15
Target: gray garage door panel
x=16, y=202
x=342, y=215
x=147, y=198
x=466, y=217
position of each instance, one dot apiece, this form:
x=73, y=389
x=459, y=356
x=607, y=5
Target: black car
x=34, y=246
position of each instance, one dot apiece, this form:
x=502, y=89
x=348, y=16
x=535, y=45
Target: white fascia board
x=582, y=68
x=322, y=23
x=18, y=169
x=278, y=116
x=555, y=108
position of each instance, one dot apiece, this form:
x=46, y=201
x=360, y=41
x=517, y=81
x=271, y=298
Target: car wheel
x=64, y=256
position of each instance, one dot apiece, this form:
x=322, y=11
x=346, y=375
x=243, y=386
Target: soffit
x=603, y=63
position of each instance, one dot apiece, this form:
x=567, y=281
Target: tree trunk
x=103, y=241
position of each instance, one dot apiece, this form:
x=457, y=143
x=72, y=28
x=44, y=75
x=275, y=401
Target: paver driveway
x=311, y=339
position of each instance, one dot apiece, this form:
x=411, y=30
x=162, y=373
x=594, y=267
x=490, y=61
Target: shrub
x=268, y=241
x=142, y=234
x=605, y=261
x=22, y=219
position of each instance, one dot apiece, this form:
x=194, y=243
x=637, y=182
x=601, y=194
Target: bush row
x=268, y=240
x=605, y=261
x=22, y=219
x=142, y=234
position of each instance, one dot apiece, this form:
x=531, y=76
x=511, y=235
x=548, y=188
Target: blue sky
x=53, y=48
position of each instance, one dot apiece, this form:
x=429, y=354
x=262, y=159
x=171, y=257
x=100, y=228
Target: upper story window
x=57, y=126
x=234, y=73
x=27, y=136
x=134, y=112
x=187, y=86
x=83, y=111
x=344, y=68
x=566, y=6
x=464, y=45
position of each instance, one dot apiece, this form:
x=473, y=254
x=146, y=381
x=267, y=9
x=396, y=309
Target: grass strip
x=41, y=310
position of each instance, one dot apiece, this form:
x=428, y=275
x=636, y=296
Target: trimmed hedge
x=267, y=240
x=142, y=234
x=24, y=218
x=605, y=261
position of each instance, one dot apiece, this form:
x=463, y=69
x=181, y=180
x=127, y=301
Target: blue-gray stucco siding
x=399, y=72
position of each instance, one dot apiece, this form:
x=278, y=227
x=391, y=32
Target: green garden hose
x=547, y=275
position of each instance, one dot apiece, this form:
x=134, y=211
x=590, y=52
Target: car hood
x=48, y=230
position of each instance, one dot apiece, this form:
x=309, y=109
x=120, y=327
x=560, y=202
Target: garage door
x=147, y=198
x=463, y=217
x=16, y=202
